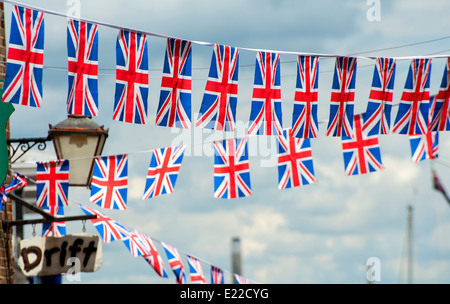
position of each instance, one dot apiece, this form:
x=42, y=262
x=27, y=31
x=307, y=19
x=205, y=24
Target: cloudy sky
x=320, y=233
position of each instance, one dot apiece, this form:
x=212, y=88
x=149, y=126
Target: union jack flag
x=342, y=97
x=163, y=171
x=231, y=169
x=424, y=146
x=174, y=109
x=110, y=230
x=54, y=228
x=82, y=51
x=240, y=279
x=130, y=101
x=440, y=116
x=52, y=183
x=412, y=115
x=175, y=263
x=152, y=256
x=304, y=117
x=295, y=164
x=218, y=109
x=217, y=275
x=24, y=67
x=19, y=181
x=195, y=270
x=110, y=182
x=265, y=115
x=134, y=243
x=361, y=151
x=377, y=118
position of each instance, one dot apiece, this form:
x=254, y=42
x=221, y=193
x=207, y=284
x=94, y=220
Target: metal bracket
x=25, y=144
x=48, y=218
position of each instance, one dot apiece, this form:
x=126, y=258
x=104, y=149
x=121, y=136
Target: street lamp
x=79, y=139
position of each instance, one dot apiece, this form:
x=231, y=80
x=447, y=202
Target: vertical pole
x=410, y=244
x=236, y=257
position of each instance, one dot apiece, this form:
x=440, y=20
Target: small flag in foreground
x=295, y=164
x=165, y=164
x=52, y=183
x=175, y=263
x=54, y=228
x=25, y=62
x=231, y=169
x=424, y=146
x=110, y=182
x=195, y=270
x=217, y=276
x=361, y=151
x=240, y=279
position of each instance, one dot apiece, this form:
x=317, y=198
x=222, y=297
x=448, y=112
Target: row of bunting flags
x=24, y=75
x=139, y=244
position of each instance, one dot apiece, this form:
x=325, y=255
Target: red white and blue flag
x=295, y=163
x=131, y=94
x=217, y=276
x=134, y=243
x=361, y=151
x=25, y=61
x=424, y=146
x=240, y=279
x=52, y=183
x=304, y=117
x=377, y=118
x=340, y=122
x=82, y=52
x=152, y=255
x=110, y=230
x=266, y=114
x=175, y=263
x=165, y=164
x=218, y=108
x=231, y=169
x=109, y=184
x=174, y=109
x=412, y=115
x=440, y=110
x=19, y=181
x=55, y=228
x=195, y=270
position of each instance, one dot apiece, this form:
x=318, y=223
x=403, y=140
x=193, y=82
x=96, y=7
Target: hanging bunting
x=340, y=122
x=163, y=171
x=132, y=80
x=440, y=109
x=109, y=229
x=424, y=146
x=54, y=228
x=231, y=169
x=82, y=52
x=295, y=164
x=377, y=118
x=412, y=115
x=134, y=243
x=24, y=67
x=174, y=109
x=52, y=183
x=266, y=115
x=304, y=118
x=361, y=151
x=240, y=279
x=109, y=185
x=152, y=255
x=174, y=259
x=195, y=270
x=218, y=108
x=217, y=276
x=19, y=181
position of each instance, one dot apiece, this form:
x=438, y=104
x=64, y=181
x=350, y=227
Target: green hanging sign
x=6, y=109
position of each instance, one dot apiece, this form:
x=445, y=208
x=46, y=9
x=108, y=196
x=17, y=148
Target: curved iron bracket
x=23, y=145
